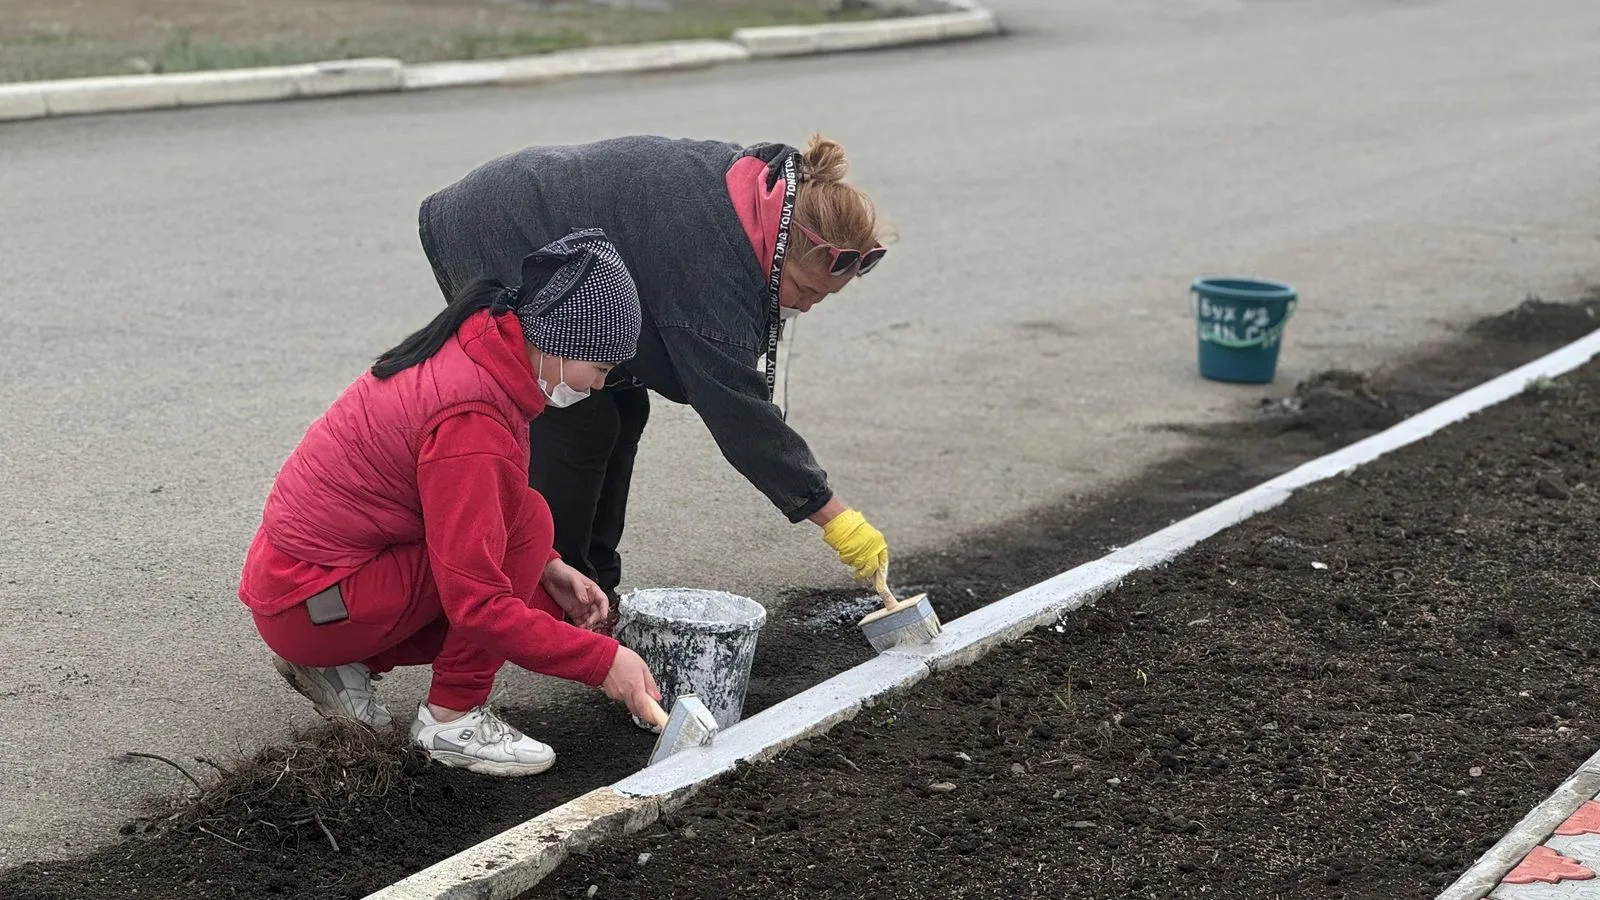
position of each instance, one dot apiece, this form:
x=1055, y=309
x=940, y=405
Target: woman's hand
x=859, y=545
x=585, y=604
x=630, y=683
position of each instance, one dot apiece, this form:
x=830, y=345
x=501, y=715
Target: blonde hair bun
x=824, y=161
x=840, y=213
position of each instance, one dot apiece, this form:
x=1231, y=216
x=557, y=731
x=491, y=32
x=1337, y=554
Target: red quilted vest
x=349, y=490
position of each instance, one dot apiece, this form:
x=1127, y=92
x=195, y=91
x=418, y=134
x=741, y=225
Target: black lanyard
x=775, y=320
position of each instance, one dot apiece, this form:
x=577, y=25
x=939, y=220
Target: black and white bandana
x=578, y=300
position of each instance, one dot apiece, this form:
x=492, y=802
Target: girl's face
x=580, y=376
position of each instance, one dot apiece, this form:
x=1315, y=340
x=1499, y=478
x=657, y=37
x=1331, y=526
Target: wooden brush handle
x=658, y=716
x=882, y=584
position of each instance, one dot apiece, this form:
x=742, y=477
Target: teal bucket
x=1239, y=323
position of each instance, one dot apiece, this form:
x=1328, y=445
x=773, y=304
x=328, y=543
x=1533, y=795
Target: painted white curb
x=658, y=57
x=1534, y=829
x=779, y=727
x=1448, y=412
x=667, y=786
x=1166, y=544
x=129, y=93
x=21, y=101
x=965, y=640
x=797, y=40
x=518, y=858
x=515, y=860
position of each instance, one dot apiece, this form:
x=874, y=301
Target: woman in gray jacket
x=724, y=243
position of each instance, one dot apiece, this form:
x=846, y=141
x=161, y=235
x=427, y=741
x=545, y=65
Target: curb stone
x=798, y=40
x=515, y=860
x=668, y=785
x=21, y=101
x=626, y=59
x=130, y=93
x=966, y=640
x=773, y=730
x=1536, y=829
x=1165, y=545
x=520, y=857
x=126, y=93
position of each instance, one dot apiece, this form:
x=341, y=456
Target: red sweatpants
x=397, y=619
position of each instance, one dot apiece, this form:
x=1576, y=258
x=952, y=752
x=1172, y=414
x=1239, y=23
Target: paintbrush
x=910, y=622
x=690, y=724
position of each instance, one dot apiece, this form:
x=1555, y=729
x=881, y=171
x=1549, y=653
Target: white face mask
x=563, y=395
x=787, y=312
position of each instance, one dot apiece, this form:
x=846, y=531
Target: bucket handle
x=1269, y=336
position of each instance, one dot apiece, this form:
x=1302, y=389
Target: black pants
x=582, y=462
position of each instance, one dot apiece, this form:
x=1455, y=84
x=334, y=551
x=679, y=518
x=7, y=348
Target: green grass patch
x=65, y=51
x=183, y=54
x=493, y=45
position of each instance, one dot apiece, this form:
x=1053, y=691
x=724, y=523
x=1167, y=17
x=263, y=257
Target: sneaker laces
x=493, y=729
x=363, y=699
x=363, y=693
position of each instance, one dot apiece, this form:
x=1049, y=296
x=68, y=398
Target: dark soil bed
x=1273, y=726
x=1352, y=696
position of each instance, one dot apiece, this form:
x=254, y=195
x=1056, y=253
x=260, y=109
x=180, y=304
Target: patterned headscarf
x=578, y=300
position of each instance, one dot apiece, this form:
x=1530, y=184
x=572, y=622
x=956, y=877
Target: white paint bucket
x=695, y=642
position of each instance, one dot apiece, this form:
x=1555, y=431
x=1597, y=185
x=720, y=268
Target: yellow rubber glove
x=859, y=545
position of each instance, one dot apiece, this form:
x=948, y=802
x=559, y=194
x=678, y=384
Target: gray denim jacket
x=664, y=203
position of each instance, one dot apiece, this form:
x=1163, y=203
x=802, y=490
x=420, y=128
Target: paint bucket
x=695, y=642
x=1239, y=324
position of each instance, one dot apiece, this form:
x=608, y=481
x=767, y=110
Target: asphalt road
x=181, y=293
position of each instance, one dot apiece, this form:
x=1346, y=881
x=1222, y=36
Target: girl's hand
x=631, y=683
x=585, y=604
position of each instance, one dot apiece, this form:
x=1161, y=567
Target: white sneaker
x=481, y=742
x=340, y=692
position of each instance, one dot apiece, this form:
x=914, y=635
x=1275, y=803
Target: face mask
x=563, y=395
x=785, y=312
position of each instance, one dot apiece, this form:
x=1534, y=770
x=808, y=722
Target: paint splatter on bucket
x=695, y=642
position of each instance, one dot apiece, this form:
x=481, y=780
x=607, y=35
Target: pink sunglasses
x=845, y=257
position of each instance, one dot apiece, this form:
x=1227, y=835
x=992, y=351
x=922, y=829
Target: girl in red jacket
x=402, y=531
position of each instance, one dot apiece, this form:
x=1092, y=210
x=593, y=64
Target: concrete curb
x=518, y=858
x=773, y=730
x=798, y=40
x=632, y=59
x=130, y=93
x=22, y=101
x=637, y=801
x=966, y=640
x=126, y=93
x=513, y=861
x=1535, y=828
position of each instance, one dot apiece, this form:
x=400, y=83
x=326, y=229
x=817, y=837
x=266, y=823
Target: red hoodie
x=436, y=454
